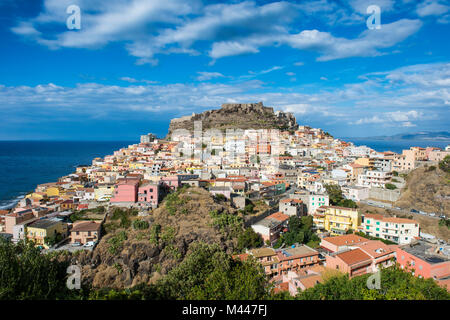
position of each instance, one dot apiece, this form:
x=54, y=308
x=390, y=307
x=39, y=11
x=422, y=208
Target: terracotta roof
x=389, y=219
x=375, y=248
x=354, y=256
x=291, y=200
x=347, y=239
x=86, y=226
x=310, y=281
x=279, y=216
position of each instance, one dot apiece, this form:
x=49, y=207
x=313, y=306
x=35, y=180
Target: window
x=378, y=223
x=367, y=227
x=368, y=221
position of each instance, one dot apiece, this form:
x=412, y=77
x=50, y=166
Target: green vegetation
x=155, y=232
x=444, y=165
x=121, y=215
x=226, y=221
x=52, y=240
x=444, y=223
x=248, y=209
x=430, y=168
x=395, y=173
x=396, y=284
x=82, y=214
x=174, y=201
x=362, y=234
x=27, y=274
x=300, y=231
x=206, y=273
x=249, y=239
x=116, y=242
x=209, y=273
x=220, y=197
x=140, y=224
x=390, y=186
x=336, y=198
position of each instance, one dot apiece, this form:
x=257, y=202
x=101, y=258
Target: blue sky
x=135, y=64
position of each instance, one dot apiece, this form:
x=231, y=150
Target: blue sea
x=396, y=145
x=25, y=164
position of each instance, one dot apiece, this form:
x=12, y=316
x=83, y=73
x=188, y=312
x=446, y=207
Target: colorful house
x=38, y=230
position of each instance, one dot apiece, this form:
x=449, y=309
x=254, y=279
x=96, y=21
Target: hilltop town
x=280, y=178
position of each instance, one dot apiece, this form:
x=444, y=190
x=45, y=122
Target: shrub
x=140, y=224
x=390, y=186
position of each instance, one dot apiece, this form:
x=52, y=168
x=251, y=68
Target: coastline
x=24, y=164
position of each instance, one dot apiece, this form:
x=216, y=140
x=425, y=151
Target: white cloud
x=366, y=45
x=132, y=80
x=431, y=8
x=148, y=28
x=203, y=76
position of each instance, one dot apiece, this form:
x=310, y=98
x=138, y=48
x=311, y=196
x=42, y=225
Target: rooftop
x=424, y=251
x=44, y=223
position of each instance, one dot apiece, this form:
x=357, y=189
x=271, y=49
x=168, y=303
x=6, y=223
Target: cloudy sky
x=135, y=64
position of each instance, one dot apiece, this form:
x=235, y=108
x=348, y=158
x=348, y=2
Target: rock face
x=238, y=115
x=139, y=259
x=426, y=190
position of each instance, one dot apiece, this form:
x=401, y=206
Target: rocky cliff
x=238, y=115
x=127, y=256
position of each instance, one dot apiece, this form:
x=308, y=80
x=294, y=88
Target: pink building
x=149, y=194
x=174, y=181
x=423, y=260
x=126, y=190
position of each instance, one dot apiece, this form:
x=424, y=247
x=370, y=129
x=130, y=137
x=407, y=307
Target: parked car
x=414, y=211
x=432, y=214
x=76, y=244
x=89, y=244
x=442, y=216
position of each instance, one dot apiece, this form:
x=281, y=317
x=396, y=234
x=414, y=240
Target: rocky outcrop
x=237, y=115
x=427, y=189
x=141, y=259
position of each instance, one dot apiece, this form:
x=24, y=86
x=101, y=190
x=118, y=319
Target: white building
x=374, y=178
x=399, y=230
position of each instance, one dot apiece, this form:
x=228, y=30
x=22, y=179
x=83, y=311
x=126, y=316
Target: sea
x=397, y=145
x=25, y=164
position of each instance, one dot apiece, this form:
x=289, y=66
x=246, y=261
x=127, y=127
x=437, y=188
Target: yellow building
x=52, y=191
x=337, y=220
x=38, y=230
x=103, y=192
x=363, y=162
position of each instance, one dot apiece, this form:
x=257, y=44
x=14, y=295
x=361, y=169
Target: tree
x=249, y=239
x=390, y=186
x=300, y=231
x=25, y=273
x=444, y=165
x=396, y=284
x=209, y=273
x=336, y=198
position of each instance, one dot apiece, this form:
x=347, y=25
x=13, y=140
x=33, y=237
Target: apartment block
x=336, y=220
x=398, y=230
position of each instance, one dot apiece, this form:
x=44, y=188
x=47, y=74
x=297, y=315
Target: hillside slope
x=238, y=115
x=426, y=190
x=127, y=256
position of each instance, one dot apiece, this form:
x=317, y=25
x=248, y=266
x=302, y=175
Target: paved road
x=388, y=206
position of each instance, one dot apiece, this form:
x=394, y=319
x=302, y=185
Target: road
x=388, y=206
